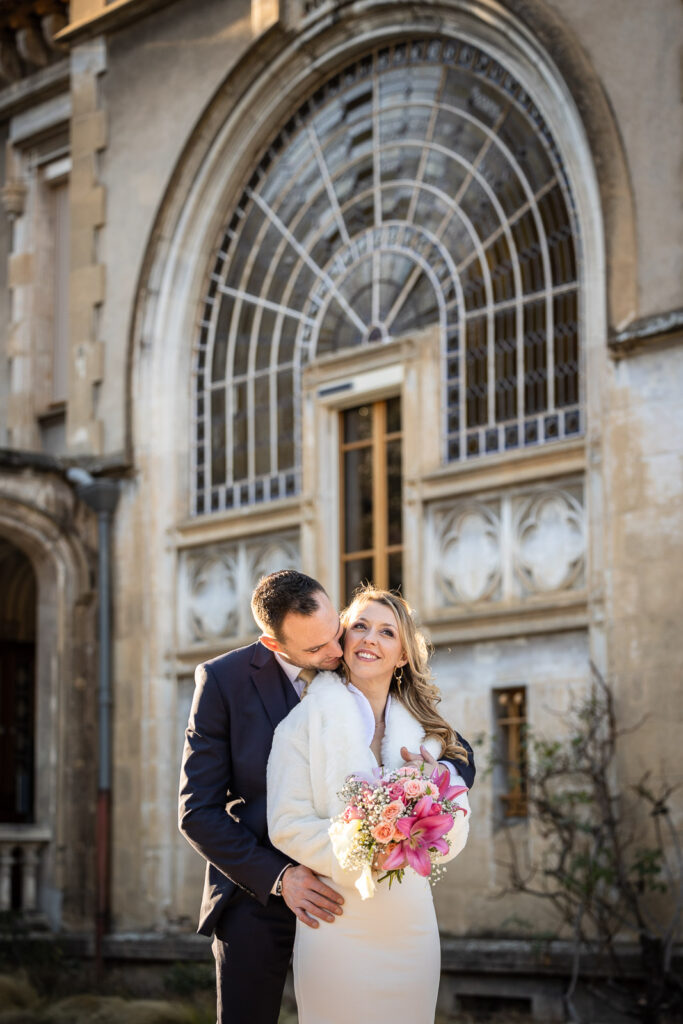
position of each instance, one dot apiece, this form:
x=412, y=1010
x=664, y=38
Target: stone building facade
x=384, y=290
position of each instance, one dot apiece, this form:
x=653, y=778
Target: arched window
x=419, y=186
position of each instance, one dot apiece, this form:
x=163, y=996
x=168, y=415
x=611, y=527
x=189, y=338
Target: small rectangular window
x=511, y=723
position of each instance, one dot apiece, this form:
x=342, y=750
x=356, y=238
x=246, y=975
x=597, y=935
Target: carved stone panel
x=467, y=538
x=549, y=541
x=511, y=547
x=215, y=584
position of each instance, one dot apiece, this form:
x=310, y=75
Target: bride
x=381, y=958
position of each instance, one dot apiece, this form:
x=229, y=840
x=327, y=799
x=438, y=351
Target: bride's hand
x=424, y=757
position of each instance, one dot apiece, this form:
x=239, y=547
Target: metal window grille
x=420, y=185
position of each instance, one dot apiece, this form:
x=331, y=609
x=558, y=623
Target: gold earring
x=398, y=675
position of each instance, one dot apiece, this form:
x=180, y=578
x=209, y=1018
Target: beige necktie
x=307, y=674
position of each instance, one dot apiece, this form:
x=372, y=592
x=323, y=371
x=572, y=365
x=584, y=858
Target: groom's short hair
x=279, y=594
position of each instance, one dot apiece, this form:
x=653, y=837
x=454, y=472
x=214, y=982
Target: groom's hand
x=424, y=757
x=308, y=897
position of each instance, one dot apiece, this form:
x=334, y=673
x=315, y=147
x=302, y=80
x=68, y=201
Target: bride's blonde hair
x=413, y=686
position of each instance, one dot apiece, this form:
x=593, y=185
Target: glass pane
x=394, y=493
x=266, y=332
x=393, y=415
x=559, y=233
x=566, y=350
x=529, y=253
x=220, y=344
x=505, y=346
x=243, y=339
x=262, y=425
x=239, y=432
x=395, y=574
x=476, y=366
x=285, y=421
x=218, y=468
x=356, y=572
x=358, y=424
x=535, y=358
x=358, y=500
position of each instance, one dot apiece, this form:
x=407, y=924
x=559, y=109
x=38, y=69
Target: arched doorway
x=46, y=703
x=17, y=685
x=18, y=613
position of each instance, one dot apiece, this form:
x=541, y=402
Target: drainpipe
x=101, y=494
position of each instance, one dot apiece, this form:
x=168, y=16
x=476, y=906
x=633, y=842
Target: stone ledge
x=536, y=957
x=460, y=956
x=649, y=331
x=153, y=947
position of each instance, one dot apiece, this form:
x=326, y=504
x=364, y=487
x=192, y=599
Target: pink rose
x=411, y=770
x=432, y=790
x=414, y=787
x=396, y=791
x=392, y=810
x=351, y=813
x=384, y=832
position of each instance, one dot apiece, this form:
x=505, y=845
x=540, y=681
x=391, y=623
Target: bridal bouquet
x=403, y=818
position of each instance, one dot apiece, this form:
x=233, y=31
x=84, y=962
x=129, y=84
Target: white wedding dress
x=381, y=959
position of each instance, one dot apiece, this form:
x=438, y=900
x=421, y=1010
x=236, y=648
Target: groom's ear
x=270, y=642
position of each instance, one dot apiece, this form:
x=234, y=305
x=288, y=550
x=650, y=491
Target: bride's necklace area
x=377, y=738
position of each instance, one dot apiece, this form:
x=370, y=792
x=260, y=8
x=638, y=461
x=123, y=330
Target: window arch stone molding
x=275, y=75
x=258, y=95
x=40, y=517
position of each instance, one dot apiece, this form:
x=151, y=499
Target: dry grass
x=20, y=1004
x=16, y=993
x=114, y=1010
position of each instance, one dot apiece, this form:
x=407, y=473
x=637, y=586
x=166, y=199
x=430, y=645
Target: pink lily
x=441, y=779
x=423, y=830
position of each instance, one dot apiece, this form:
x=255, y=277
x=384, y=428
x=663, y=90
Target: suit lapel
x=267, y=678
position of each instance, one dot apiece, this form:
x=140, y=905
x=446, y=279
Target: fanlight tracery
x=420, y=185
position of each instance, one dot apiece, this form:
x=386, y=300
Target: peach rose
x=392, y=811
x=410, y=770
x=384, y=832
x=414, y=787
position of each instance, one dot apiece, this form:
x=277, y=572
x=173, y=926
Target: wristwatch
x=278, y=884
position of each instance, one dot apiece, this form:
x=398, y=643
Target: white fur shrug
x=315, y=747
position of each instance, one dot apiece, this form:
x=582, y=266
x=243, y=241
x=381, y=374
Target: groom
x=252, y=893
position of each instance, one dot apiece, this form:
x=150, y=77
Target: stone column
x=87, y=274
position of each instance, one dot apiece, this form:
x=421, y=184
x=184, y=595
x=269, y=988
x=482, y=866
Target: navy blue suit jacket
x=239, y=701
